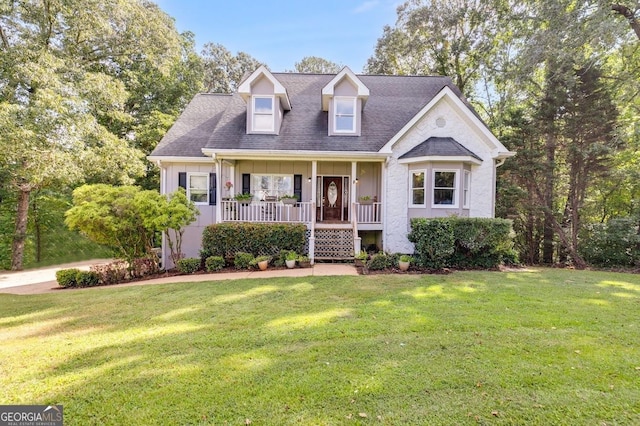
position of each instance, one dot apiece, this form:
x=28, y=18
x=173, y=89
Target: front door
x=332, y=198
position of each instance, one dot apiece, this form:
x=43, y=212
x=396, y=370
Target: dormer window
x=345, y=114
x=263, y=116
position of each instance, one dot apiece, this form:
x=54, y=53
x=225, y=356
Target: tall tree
x=224, y=71
x=64, y=70
x=316, y=65
x=445, y=37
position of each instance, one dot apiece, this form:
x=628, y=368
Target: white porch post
x=383, y=206
x=219, y=191
x=314, y=201
x=163, y=191
x=357, y=241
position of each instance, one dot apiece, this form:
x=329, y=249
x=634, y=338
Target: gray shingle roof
x=439, y=147
x=219, y=121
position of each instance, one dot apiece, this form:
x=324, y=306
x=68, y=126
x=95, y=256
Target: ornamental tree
x=127, y=218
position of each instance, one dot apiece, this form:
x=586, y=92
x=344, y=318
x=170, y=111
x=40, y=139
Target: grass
x=539, y=347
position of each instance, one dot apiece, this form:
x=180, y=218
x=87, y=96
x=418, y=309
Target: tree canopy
x=79, y=81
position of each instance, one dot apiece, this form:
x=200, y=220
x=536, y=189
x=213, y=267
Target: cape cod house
x=362, y=154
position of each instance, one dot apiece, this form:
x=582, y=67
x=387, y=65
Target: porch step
x=336, y=243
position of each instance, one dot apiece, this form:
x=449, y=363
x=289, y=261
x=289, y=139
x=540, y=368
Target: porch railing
x=369, y=213
x=267, y=211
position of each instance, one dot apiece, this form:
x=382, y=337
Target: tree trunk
x=549, y=183
x=629, y=15
x=20, y=235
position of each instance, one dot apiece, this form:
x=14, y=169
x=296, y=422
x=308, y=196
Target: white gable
x=328, y=91
x=446, y=95
x=245, y=88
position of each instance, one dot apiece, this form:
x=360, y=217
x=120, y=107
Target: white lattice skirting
x=333, y=243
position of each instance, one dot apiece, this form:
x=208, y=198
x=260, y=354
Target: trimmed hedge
x=67, y=277
x=379, y=262
x=214, y=263
x=188, y=265
x=243, y=260
x=76, y=278
x=462, y=242
x=227, y=239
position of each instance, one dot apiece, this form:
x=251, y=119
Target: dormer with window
x=266, y=99
x=344, y=98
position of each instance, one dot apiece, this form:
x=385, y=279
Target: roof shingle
x=219, y=121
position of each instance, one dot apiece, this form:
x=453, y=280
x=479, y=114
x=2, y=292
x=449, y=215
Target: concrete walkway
x=43, y=280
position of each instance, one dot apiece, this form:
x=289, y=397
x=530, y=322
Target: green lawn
x=547, y=347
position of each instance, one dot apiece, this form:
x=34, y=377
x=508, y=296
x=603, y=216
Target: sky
x=280, y=33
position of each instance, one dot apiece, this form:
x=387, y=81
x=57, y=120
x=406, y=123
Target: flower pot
x=290, y=263
x=366, y=202
x=305, y=264
x=289, y=201
x=263, y=265
x=403, y=265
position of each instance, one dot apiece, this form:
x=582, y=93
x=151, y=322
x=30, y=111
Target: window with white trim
x=418, y=188
x=445, y=183
x=198, y=187
x=344, y=119
x=466, y=186
x=263, y=186
x=263, y=115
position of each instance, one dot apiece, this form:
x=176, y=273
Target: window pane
x=263, y=122
x=445, y=179
x=344, y=123
x=263, y=105
x=344, y=107
x=418, y=180
x=418, y=196
x=199, y=188
x=443, y=196
x=283, y=185
x=198, y=197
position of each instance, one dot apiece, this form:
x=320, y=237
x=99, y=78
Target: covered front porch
x=311, y=192
x=334, y=199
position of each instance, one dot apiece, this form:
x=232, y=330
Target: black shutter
x=297, y=186
x=182, y=180
x=246, y=183
x=213, y=189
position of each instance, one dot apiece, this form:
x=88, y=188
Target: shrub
x=243, y=260
x=378, y=262
x=87, y=279
x=188, y=265
x=112, y=273
x=214, y=263
x=462, y=242
x=226, y=239
x=615, y=243
x=481, y=243
x=143, y=267
x=434, y=241
x=67, y=277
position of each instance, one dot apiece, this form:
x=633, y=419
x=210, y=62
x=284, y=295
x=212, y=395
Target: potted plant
x=244, y=198
x=361, y=258
x=304, y=262
x=404, y=261
x=366, y=199
x=262, y=262
x=290, y=259
x=289, y=199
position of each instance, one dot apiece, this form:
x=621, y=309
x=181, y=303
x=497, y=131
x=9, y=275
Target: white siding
x=482, y=194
